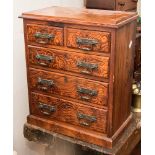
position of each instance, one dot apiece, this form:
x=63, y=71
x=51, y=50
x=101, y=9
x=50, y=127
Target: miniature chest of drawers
x=79, y=71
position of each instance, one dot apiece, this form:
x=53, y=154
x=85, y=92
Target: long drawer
x=87, y=40
x=43, y=35
x=69, y=61
x=70, y=112
x=84, y=90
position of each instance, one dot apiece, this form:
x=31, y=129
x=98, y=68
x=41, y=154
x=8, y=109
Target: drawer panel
x=84, y=90
x=88, y=40
x=69, y=112
x=67, y=61
x=44, y=35
x=124, y=5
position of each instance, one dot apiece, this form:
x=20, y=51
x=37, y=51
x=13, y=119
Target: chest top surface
x=82, y=16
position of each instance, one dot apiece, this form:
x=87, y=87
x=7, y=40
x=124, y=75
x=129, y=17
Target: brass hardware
x=121, y=3
x=86, y=117
x=84, y=124
x=45, y=36
x=86, y=65
x=136, y=97
x=85, y=72
x=89, y=119
x=86, y=41
x=85, y=98
x=136, y=91
x=45, y=84
x=47, y=59
x=85, y=48
x=136, y=103
x=87, y=91
x=134, y=86
x=46, y=109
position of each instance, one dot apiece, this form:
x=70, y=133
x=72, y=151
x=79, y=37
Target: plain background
x=21, y=109
x=20, y=90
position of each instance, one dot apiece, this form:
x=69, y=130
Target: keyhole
x=65, y=79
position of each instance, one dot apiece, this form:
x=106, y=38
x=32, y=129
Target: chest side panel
x=123, y=74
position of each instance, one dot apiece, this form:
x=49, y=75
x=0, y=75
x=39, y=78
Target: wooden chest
x=79, y=71
x=122, y=5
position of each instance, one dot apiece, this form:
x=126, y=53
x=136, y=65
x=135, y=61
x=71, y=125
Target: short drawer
x=44, y=35
x=69, y=112
x=124, y=5
x=84, y=90
x=70, y=61
x=88, y=40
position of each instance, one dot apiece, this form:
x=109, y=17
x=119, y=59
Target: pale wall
x=22, y=146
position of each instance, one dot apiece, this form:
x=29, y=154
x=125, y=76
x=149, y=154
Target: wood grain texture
x=101, y=4
x=63, y=81
x=67, y=111
x=137, y=61
x=65, y=85
x=126, y=143
x=57, y=32
x=103, y=39
x=123, y=76
x=126, y=5
x=82, y=16
x=71, y=131
x=121, y=5
x=68, y=61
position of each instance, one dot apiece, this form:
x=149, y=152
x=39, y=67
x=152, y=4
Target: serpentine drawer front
x=73, y=62
x=79, y=71
x=69, y=112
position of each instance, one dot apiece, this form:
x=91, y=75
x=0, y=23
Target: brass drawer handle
x=46, y=109
x=45, y=36
x=85, y=98
x=86, y=120
x=86, y=117
x=87, y=91
x=121, y=3
x=47, y=59
x=45, y=84
x=86, y=41
x=86, y=65
x=84, y=124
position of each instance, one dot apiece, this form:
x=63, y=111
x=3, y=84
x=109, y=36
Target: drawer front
x=69, y=112
x=73, y=62
x=88, y=40
x=86, y=91
x=123, y=5
x=44, y=35
x=101, y=4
